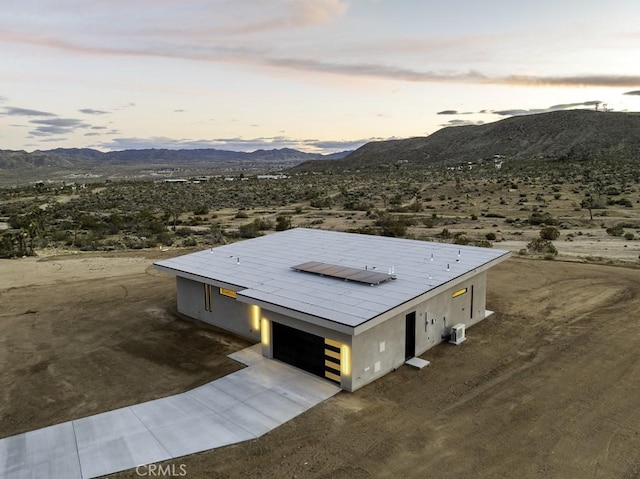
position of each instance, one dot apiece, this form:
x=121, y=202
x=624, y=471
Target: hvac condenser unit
x=457, y=334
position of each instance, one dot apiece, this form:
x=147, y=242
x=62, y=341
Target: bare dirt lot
x=547, y=387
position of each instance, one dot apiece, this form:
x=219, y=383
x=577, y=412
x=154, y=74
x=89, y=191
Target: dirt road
x=548, y=387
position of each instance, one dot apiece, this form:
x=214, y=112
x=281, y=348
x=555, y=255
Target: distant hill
x=555, y=135
x=87, y=159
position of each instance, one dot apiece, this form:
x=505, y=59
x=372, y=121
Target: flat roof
x=261, y=271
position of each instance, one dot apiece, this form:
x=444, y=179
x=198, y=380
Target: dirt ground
x=548, y=387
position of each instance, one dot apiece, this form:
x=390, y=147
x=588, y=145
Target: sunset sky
x=317, y=75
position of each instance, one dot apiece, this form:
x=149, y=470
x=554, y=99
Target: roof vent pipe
x=238, y=260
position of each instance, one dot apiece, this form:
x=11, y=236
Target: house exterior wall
x=226, y=312
x=369, y=355
x=381, y=349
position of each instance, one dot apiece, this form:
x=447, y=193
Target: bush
x=283, y=223
x=241, y=215
x=201, y=210
x=629, y=236
x=445, y=234
x=616, y=230
x=542, y=246
x=538, y=218
x=549, y=233
x=392, y=226
x=490, y=236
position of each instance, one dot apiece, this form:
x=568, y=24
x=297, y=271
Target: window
x=208, y=297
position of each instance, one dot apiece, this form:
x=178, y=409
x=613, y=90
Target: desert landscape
x=547, y=387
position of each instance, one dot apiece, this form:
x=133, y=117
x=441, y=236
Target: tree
x=588, y=203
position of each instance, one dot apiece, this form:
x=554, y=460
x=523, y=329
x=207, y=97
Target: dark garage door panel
x=299, y=348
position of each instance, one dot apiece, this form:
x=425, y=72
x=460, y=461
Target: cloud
x=458, y=122
x=91, y=111
x=15, y=111
x=293, y=14
x=340, y=145
x=214, y=47
x=454, y=112
x=61, y=122
x=56, y=126
x=563, y=106
x=634, y=92
x=577, y=80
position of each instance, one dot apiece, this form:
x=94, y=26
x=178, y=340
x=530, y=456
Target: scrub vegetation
x=538, y=207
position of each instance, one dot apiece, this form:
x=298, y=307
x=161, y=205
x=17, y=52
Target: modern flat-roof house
x=343, y=306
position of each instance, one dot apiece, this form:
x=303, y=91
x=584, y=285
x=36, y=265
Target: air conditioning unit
x=457, y=334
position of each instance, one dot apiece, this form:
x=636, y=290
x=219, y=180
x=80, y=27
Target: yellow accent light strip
x=460, y=292
x=331, y=354
x=345, y=360
x=255, y=317
x=228, y=292
x=330, y=364
x=331, y=342
x=265, y=332
x=329, y=375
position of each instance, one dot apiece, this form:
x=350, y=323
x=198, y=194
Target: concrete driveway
x=241, y=406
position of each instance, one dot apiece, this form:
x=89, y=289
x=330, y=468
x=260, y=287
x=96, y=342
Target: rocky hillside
x=556, y=135
x=69, y=158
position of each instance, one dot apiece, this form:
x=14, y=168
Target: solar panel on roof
x=358, y=275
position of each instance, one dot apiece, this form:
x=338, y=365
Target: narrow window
x=208, y=297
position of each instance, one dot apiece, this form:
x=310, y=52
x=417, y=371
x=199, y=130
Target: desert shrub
x=460, y=238
x=538, y=218
x=490, y=236
x=616, y=230
x=189, y=242
x=322, y=202
x=542, y=246
x=164, y=238
x=184, y=232
x=263, y=224
x=626, y=202
x=629, y=236
x=201, y=210
x=483, y=244
x=249, y=230
x=283, y=223
x=445, y=234
x=549, y=233
x=241, y=215
x=392, y=226
x=494, y=215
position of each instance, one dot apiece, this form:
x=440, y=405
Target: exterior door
x=410, y=336
x=299, y=348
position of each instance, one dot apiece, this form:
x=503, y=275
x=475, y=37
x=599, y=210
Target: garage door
x=306, y=351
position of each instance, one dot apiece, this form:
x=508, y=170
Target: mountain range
x=557, y=135
x=74, y=158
